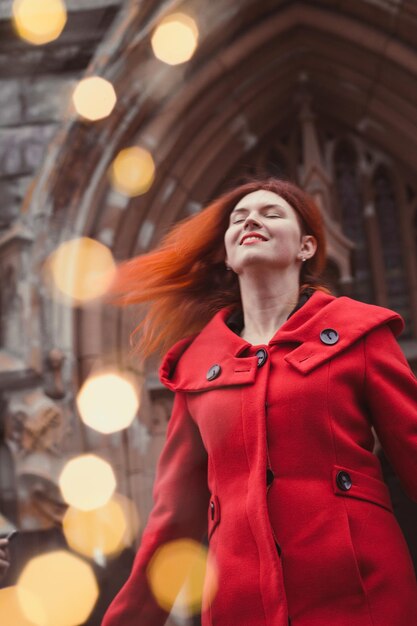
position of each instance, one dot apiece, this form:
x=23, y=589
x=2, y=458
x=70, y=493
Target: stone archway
x=199, y=120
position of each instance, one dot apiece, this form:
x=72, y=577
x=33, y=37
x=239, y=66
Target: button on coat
x=262, y=356
x=344, y=481
x=213, y=372
x=329, y=336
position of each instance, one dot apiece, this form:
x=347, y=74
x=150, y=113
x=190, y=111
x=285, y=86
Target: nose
x=251, y=220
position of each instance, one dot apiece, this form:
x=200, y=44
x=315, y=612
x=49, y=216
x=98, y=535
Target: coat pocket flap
x=353, y=484
x=213, y=515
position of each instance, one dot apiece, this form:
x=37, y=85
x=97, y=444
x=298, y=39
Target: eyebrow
x=266, y=206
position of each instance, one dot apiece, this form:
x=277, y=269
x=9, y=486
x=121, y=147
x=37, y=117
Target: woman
x=270, y=447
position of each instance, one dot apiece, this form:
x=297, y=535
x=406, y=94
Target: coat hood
x=185, y=365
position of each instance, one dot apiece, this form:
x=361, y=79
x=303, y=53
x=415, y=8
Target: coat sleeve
x=391, y=394
x=181, y=500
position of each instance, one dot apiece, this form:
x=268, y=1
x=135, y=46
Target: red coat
x=320, y=546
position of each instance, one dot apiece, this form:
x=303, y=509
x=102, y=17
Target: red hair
x=185, y=280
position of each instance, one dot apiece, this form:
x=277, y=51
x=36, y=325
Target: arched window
x=349, y=194
x=388, y=219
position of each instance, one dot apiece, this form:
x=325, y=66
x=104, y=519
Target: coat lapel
x=330, y=320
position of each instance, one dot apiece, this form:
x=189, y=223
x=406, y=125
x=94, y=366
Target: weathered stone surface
x=22, y=149
x=46, y=99
x=9, y=203
x=10, y=103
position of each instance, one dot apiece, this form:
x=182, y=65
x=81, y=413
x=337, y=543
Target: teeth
x=252, y=239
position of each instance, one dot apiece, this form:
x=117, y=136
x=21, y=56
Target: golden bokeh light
x=94, y=98
x=132, y=171
x=175, y=39
x=39, y=21
x=87, y=482
x=97, y=532
x=132, y=519
x=11, y=612
x=64, y=586
x=182, y=577
x=80, y=270
x=108, y=402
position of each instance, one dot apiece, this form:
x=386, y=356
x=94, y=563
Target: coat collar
x=185, y=366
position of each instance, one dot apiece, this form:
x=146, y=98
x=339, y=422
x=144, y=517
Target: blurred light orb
x=39, y=21
x=94, y=98
x=81, y=269
x=182, y=577
x=64, y=586
x=132, y=171
x=108, y=402
x=11, y=612
x=99, y=531
x=175, y=39
x=132, y=519
x=87, y=482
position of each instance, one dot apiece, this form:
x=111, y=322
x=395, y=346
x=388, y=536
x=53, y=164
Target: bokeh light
x=11, y=612
x=175, y=39
x=64, y=586
x=132, y=171
x=108, y=402
x=132, y=519
x=80, y=270
x=94, y=98
x=39, y=21
x=100, y=531
x=87, y=482
x=181, y=576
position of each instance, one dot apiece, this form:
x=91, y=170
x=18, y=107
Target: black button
x=343, y=480
x=329, y=336
x=262, y=355
x=213, y=372
x=212, y=510
x=270, y=476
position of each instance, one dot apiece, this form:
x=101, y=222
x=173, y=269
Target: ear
x=308, y=246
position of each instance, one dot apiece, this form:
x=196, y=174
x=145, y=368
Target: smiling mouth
x=249, y=239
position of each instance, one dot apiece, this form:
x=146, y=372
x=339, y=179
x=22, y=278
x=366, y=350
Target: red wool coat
x=271, y=454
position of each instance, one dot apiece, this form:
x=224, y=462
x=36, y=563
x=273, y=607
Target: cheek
x=228, y=242
x=289, y=234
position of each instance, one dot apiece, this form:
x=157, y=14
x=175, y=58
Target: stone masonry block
x=22, y=149
x=12, y=192
x=10, y=103
x=47, y=99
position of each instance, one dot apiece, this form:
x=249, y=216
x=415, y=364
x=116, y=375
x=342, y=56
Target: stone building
x=324, y=92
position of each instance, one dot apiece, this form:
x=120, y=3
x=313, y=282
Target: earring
x=228, y=267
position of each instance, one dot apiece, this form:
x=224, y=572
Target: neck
x=267, y=300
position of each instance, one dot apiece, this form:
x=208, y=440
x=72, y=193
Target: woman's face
x=264, y=230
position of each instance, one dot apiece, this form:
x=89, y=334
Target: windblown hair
x=184, y=280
